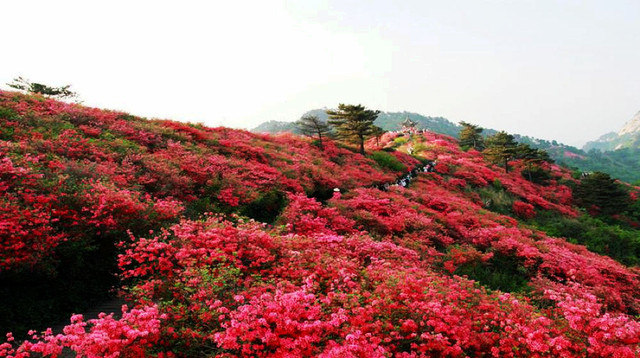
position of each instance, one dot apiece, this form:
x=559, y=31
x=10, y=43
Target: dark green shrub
x=619, y=243
x=8, y=114
x=267, y=207
x=536, y=175
x=601, y=194
x=497, y=184
x=501, y=272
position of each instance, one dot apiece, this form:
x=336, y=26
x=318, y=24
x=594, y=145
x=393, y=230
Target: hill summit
x=230, y=243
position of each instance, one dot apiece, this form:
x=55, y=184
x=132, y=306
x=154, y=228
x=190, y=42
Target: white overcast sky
x=565, y=70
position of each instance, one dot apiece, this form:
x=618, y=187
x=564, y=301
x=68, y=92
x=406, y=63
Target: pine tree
x=377, y=133
x=501, y=148
x=532, y=156
x=471, y=137
x=311, y=126
x=39, y=88
x=599, y=191
x=353, y=123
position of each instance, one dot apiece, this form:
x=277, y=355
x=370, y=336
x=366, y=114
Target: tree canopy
x=377, y=133
x=353, y=122
x=501, y=148
x=39, y=88
x=310, y=125
x=471, y=136
x=599, y=193
x=533, y=157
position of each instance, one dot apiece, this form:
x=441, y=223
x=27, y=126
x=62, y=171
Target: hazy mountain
x=389, y=121
x=627, y=137
x=275, y=127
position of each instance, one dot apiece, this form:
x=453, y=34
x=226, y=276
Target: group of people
x=406, y=179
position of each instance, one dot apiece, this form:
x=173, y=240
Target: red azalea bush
x=130, y=336
x=523, y=210
x=235, y=290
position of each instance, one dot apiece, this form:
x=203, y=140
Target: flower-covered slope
x=364, y=273
x=65, y=166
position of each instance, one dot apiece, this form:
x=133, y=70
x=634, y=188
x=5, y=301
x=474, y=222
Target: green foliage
x=387, y=160
x=533, y=157
x=622, y=163
x=600, y=192
x=501, y=148
x=353, y=123
x=400, y=141
x=39, y=88
x=8, y=113
x=6, y=132
x=537, y=175
x=470, y=136
x=620, y=243
x=195, y=208
x=312, y=126
x=501, y=272
x=497, y=184
x=419, y=147
x=377, y=133
x=496, y=199
x=499, y=201
x=267, y=207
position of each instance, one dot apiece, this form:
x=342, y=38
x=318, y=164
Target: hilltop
x=622, y=163
x=231, y=243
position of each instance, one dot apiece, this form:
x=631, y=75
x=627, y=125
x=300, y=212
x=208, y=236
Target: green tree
x=532, y=157
x=501, y=148
x=600, y=192
x=311, y=126
x=39, y=88
x=471, y=136
x=377, y=133
x=353, y=123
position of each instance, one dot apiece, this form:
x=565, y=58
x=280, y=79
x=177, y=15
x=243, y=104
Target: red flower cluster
x=523, y=210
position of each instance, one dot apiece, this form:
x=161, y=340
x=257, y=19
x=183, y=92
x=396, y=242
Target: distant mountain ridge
x=275, y=127
x=623, y=164
x=389, y=121
x=627, y=137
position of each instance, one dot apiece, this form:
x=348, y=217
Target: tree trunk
x=362, y=145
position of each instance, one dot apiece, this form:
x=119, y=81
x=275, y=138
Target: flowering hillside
x=228, y=243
